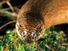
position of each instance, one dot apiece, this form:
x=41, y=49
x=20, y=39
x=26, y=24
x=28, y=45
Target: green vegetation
x=51, y=40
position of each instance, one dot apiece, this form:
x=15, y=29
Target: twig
x=49, y=47
x=8, y=3
x=65, y=44
x=7, y=24
x=2, y=11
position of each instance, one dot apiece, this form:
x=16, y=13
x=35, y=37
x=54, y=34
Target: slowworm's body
x=36, y=16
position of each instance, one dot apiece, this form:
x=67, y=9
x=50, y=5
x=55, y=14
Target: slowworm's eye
x=24, y=33
x=33, y=33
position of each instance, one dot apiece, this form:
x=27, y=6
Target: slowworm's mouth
x=29, y=35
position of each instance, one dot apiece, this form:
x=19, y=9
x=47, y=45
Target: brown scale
x=36, y=16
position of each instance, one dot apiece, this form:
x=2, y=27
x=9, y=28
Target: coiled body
x=36, y=16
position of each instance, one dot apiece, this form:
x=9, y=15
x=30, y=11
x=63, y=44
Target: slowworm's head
x=29, y=28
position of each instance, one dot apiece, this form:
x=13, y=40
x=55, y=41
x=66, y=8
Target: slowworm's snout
x=32, y=33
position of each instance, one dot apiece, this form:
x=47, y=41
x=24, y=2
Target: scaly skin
x=36, y=16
